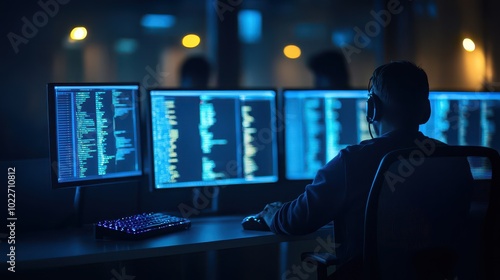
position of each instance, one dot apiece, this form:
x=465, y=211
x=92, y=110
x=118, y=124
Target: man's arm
x=318, y=205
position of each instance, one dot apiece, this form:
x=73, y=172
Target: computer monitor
x=465, y=118
x=94, y=133
x=318, y=124
x=213, y=137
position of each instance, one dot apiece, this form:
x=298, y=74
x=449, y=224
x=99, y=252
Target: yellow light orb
x=78, y=33
x=469, y=45
x=191, y=41
x=292, y=51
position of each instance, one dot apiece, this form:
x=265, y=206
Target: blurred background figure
x=329, y=69
x=195, y=72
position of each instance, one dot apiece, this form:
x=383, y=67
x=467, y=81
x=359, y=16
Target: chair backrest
x=428, y=217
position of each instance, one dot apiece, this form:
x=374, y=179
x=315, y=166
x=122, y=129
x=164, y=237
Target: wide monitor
x=94, y=133
x=213, y=137
x=464, y=118
x=318, y=124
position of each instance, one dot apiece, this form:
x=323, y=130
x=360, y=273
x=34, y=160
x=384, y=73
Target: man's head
x=195, y=72
x=330, y=70
x=399, y=96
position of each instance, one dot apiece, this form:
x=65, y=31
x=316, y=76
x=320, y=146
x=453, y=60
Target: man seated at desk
x=398, y=102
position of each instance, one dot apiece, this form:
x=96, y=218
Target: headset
x=375, y=109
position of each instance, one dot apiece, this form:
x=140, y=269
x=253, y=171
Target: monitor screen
x=213, y=137
x=318, y=124
x=94, y=133
x=465, y=118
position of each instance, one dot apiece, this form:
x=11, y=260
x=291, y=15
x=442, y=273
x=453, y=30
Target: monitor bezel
x=54, y=153
x=150, y=144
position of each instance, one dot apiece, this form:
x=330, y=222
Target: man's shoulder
x=387, y=144
x=366, y=149
x=366, y=145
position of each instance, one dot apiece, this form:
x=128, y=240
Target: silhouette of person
x=330, y=70
x=195, y=72
x=399, y=94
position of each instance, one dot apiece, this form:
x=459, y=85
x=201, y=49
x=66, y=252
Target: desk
x=52, y=249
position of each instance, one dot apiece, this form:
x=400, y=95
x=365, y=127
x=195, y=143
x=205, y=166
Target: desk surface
x=79, y=247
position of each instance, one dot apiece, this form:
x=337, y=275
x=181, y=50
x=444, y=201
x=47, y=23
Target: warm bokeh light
x=473, y=69
x=78, y=33
x=191, y=41
x=292, y=51
x=469, y=45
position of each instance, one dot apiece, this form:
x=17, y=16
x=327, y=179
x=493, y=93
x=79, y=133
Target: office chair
x=425, y=225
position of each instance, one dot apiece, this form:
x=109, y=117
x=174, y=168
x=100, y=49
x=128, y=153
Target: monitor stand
x=78, y=206
x=205, y=202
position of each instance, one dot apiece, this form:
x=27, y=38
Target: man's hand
x=269, y=211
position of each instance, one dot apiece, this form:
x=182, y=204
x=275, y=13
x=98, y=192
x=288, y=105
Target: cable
x=370, y=130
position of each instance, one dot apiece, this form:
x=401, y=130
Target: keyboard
x=140, y=226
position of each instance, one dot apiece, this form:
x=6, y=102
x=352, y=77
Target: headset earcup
x=370, y=110
x=373, y=108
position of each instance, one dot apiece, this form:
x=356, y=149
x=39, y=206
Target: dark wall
x=24, y=74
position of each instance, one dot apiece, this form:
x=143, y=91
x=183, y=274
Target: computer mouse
x=255, y=222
